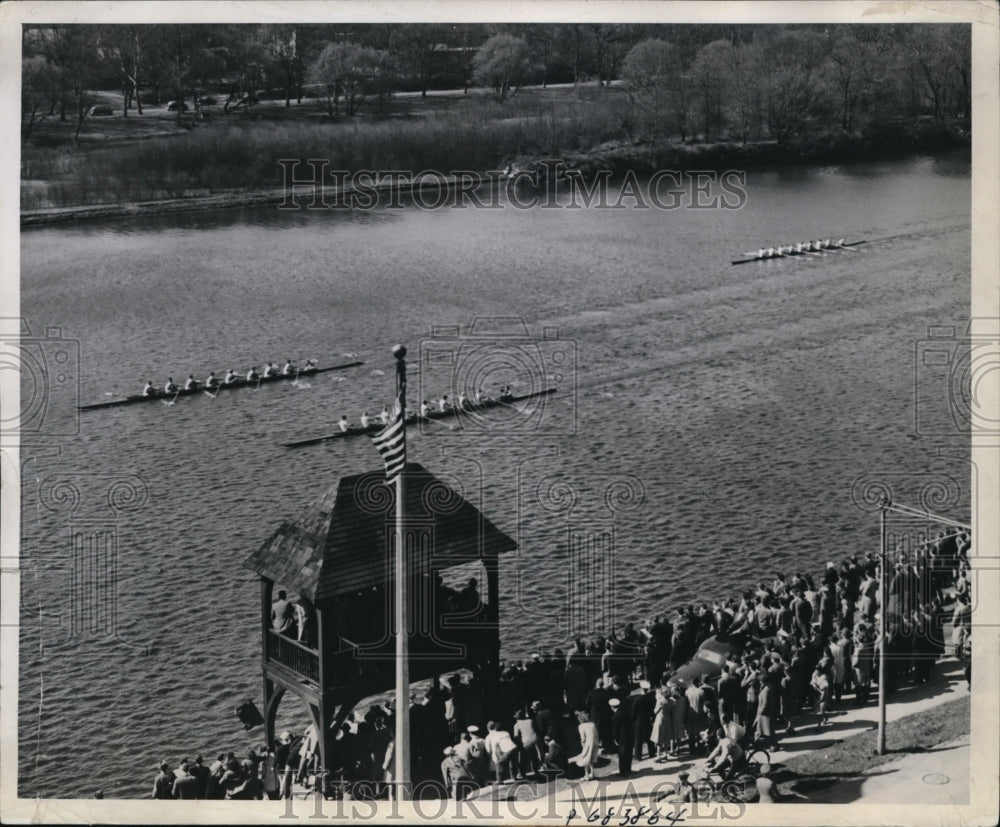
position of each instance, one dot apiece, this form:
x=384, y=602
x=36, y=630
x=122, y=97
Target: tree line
x=737, y=81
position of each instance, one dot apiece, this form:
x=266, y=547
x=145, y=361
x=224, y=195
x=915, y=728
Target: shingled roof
x=341, y=542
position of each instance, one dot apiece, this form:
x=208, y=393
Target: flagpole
x=402, y=736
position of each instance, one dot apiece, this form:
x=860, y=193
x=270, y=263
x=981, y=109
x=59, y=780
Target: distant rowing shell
x=237, y=385
x=791, y=253
x=433, y=415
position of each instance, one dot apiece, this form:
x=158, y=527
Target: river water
x=712, y=421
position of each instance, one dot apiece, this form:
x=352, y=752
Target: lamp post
x=883, y=590
x=402, y=734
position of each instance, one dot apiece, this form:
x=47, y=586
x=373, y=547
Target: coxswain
x=289, y=368
x=269, y=371
x=230, y=377
x=192, y=383
x=252, y=375
x=170, y=387
x=507, y=394
x=211, y=382
x=149, y=390
x=344, y=425
x=383, y=417
x=424, y=408
x=310, y=365
x=365, y=419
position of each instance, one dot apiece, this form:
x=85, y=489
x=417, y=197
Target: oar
x=212, y=395
x=435, y=421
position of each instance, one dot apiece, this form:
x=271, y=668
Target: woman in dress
x=589, y=746
x=663, y=724
x=678, y=714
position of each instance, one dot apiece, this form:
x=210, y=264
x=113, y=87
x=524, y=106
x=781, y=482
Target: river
x=716, y=418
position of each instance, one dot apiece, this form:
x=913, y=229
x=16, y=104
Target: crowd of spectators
x=795, y=650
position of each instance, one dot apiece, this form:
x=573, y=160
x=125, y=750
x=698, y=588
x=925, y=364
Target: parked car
x=173, y=106
x=207, y=101
x=101, y=111
x=709, y=659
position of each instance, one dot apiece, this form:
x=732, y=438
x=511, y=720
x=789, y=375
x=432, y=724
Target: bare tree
x=501, y=64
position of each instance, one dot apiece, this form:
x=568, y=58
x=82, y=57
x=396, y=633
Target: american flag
x=391, y=444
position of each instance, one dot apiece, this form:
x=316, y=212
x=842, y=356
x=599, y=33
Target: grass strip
x=845, y=764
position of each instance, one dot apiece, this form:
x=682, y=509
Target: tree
x=793, y=90
x=121, y=49
x=346, y=70
x=708, y=77
x=650, y=74
x=39, y=86
x=501, y=64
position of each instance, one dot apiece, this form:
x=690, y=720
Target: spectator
x=589, y=746
x=163, y=784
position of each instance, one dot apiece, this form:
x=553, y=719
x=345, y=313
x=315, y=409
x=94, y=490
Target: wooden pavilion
x=336, y=560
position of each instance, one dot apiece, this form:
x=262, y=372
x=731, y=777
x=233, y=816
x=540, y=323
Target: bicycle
x=737, y=784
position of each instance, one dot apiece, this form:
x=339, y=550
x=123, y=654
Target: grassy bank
x=815, y=774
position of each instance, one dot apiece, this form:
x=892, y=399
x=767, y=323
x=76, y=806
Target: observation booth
x=336, y=560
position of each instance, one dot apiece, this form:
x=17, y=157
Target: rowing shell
x=799, y=253
x=378, y=426
x=239, y=383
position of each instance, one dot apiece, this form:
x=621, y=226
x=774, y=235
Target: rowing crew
x=443, y=405
x=801, y=247
x=231, y=378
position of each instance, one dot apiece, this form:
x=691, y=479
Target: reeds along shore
x=479, y=135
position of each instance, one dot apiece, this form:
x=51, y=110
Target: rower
x=444, y=405
x=840, y=243
x=826, y=243
x=343, y=424
x=424, y=408
x=365, y=419
x=761, y=253
x=269, y=371
x=230, y=377
x=310, y=365
x=507, y=394
x=192, y=383
x=289, y=369
x=252, y=375
x=170, y=387
x=477, y=397
x=149, y=390
x=383, y=417
x=463, y=402
x=211, y=383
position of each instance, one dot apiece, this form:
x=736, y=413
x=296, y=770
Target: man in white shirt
x=502, y=749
